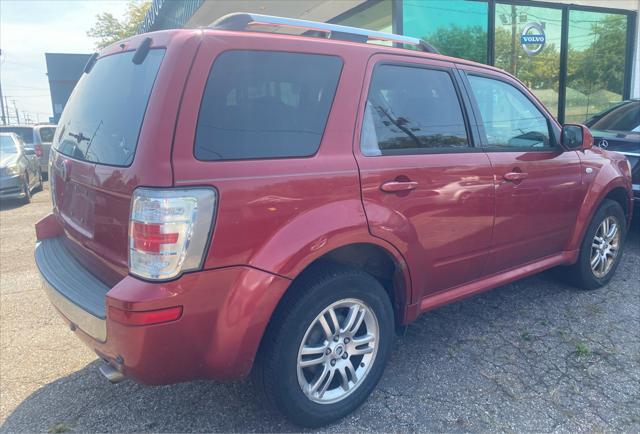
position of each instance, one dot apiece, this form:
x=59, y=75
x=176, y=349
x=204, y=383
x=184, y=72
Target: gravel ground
x=535, y=355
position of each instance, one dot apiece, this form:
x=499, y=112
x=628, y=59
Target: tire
x=26, y=190
x=40, y=185
x=277, y=374
x=582, y=274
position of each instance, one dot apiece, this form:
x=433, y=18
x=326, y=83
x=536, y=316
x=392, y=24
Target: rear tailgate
x=114, y=135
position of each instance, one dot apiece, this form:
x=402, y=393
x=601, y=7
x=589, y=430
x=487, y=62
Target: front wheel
x=26, y=190
x=601, y=248
x=326, y=347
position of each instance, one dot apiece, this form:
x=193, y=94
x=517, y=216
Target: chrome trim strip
x=91, y=325
x=631, y=154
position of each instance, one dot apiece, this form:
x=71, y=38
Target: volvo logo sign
x=532, y=38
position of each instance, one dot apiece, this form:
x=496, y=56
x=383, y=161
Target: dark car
x=618, y=129
x=19, y=169
x=228, y=202
x=39, y=137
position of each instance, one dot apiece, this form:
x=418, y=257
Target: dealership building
x=578, y=56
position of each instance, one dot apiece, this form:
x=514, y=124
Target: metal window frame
x=564, y=41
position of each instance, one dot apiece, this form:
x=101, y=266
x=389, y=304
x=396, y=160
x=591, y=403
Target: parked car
x=39, y=137
x=618, y=129
x=228, y=202
x=19, y=170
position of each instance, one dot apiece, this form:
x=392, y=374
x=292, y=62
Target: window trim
x=295, y=157
x=555, y=145
x=471, y=136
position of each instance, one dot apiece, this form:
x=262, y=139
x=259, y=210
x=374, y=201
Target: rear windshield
x=46, y=134
x=25, y=133
x=102, y=119
x=265, y=104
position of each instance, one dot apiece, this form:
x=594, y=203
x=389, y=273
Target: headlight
x=11, y=170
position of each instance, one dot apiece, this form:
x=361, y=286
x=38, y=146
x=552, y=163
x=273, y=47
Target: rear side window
x=102, y=119
x=265, y=104
x=412, y=110
x=46, y=134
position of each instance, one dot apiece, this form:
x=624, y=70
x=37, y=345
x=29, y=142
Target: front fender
x=607, y=174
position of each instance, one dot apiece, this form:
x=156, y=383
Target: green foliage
x=109, y=29
x=467, y=43
x=601, y=65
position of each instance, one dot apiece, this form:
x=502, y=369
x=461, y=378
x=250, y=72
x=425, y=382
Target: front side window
x=412, y=111
x=509, y=118
x=265, y=104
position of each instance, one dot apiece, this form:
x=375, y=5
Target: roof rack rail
x=241, y=21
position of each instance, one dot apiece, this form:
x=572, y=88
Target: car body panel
x=277, y=216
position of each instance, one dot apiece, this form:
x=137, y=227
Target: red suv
x=228, y=201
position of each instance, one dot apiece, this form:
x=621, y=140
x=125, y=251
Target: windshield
x=7, y=145
x=624, y=117
x=102, y=119
x=25, y=133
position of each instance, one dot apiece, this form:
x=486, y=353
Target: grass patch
x=58, y=428
x=582, y=349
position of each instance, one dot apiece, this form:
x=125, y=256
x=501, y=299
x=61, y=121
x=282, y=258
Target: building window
x=456, y=28
x=371, y=15
x=527, y=44
x=596, y=63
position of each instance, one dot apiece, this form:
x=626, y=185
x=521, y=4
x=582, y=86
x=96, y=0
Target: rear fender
x=317, y=232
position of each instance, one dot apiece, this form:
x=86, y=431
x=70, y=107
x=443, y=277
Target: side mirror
x=576, y=137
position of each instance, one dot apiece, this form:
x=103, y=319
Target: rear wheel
x=326, y=347
x=601, y=248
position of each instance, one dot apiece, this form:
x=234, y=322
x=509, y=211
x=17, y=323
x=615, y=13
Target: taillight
x=38, y=149
x=169, y=230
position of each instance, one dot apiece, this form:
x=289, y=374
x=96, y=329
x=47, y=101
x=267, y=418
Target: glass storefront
x=534, y=62
x=374, y=16
x=596, y=63
x=457, y=28
x=526, y=39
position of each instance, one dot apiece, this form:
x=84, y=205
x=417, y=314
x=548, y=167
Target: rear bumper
x=225, y=313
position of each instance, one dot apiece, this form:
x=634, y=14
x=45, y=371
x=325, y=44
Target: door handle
x=515, y=176
x=394, y=186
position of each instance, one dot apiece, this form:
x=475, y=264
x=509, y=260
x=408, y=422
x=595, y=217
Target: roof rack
x=242, y=21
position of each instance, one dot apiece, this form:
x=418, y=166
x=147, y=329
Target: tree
x=109, y=29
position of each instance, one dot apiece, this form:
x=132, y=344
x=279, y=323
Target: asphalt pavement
x=535, y=355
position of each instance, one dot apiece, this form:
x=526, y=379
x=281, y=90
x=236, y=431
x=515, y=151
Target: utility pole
x=4, y=115
x=15, y=108
x=6, y=109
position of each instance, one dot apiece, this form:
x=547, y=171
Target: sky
x=30, y=28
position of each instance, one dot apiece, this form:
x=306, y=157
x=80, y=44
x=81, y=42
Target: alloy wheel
x=605, y=246
x=337, y=351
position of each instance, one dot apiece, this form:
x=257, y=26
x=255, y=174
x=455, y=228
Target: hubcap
x=605, y=246
x=337, y=351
